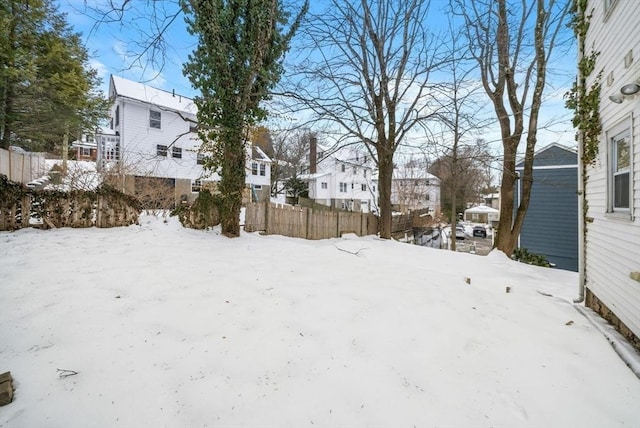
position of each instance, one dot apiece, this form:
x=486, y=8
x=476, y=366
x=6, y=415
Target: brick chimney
x=313, y=154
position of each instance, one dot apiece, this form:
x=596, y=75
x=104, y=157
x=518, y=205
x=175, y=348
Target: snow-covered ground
x=173, y=327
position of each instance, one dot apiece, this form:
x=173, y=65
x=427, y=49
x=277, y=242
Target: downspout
x=581, y=217
x=581, y=87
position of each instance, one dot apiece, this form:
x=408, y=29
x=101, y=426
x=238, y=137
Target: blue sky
x=111, y=46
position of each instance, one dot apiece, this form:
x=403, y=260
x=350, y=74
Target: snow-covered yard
x=173, y=327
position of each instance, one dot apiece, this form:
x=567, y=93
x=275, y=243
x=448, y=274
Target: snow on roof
x=481, y=209
x=348, y=154
x=148, y=94
x=312, y=176
x=106, y=131
x=259, y=154
x=412, y=174
x=85, y=144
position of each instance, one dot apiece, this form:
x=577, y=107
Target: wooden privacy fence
x=299, y=222
x=21, y=167
x=104, y=207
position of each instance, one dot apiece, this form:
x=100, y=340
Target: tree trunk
x=65, y=149
x=385, y=175
x=506, y=240
x=232, y=182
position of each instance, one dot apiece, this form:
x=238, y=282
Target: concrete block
x=6, y=393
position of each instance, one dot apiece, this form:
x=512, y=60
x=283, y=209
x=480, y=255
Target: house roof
x=553, y=155
x=346, y=154
x=258, y=154
x=138, y=91
x=85, y=144
x=413, y=174
x=311, y=177
x=482, y=209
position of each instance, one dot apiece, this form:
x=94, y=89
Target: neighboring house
x=482, y=214
x=152, y=137
x=413, y=188
x=551, y=224
x=86, y=148
x=492, y=200
x=611, y=271
x=340, y=178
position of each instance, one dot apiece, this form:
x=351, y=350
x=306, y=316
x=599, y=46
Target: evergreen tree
x=47, y=89
x=238, y=60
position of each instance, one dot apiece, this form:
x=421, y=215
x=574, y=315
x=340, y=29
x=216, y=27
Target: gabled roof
x=258, y=154
x=122, y=87
x=346, y=154
x=553, y=155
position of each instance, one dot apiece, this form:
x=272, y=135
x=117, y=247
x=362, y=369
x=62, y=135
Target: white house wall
x=613, y=238
x=329, y=170
x=139, y=141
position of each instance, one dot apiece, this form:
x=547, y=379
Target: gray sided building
x=551, y=224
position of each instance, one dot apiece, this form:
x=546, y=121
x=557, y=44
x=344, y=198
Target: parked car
x=460, y=232
x=479, y=231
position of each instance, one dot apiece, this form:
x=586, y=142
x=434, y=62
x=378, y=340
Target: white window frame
x=196, y=186
x=324, y=185
x=85, y=151
x=161, y=150
x=254, y=168
x=614, y=135
x=343, y=187
x=155, y=122
x=200, y=159
x=363, y=187
x=263, y=169
x=176, y=152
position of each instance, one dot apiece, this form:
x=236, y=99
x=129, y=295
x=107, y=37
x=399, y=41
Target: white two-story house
x=340, y=178
x=152, y=135
x=610, y=232
x=413, y=188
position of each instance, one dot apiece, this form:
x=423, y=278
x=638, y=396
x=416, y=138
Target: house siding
x=138, y=140
x=612, y=240
x=551, y=224
x=329, y=170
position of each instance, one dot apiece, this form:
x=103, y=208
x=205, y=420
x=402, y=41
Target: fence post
x=99, y=211
x=306, y=232
x=26, y=210
x=266, y=217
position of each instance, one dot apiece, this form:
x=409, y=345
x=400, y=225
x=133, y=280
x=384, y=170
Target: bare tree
x=512, y=41
x=458, y=161
x=291, y=148
x=463, y=177
x=367, y=72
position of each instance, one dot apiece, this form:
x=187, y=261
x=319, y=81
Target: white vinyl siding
x=612, y=242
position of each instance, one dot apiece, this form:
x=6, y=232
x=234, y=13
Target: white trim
x=550, y=167
x=623, y=125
